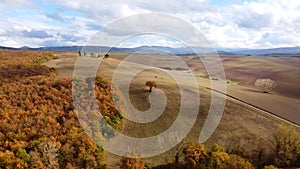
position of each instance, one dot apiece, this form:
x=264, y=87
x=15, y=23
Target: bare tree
x=265, y=84
x=151, y=84
x=50, y=152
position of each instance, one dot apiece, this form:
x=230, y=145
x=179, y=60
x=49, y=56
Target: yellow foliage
x=196, y=156
x=286, y=146
x=132, y=161
x=237, y=162
x=37, y=115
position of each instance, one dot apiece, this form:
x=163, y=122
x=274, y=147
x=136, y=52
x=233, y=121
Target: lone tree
x=151, y=84
x=265, y=84
x=106, y=55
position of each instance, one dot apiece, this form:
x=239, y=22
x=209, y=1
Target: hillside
x=242, y=124
x=39, y=127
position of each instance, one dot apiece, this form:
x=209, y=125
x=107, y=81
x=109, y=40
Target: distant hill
x=6, y=48
x=168, y=50
x=259, y=52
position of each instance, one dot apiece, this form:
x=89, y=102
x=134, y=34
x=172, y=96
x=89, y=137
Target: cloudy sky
x=226, y=24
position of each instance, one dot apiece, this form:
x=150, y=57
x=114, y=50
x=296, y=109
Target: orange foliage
x=37, y=116
x=132, y=161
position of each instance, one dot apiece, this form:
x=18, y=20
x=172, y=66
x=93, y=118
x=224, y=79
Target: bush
x=196, y=156
x=286, y=147
x=21, y=153
x=9, y=160
x=237, y=162
x=270, y=167
x=132, y=160
x=240, y=151
x=265, y=84
x=218, y=160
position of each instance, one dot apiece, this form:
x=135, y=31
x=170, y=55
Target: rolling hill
x=295, y=51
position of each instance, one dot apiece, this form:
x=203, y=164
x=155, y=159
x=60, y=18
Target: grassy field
x=242, y=124
x=283, y=70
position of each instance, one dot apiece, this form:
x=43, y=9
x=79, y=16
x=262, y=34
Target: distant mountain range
x=168, y=50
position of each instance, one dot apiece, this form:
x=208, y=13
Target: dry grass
x=285, y=71
x=241, y=124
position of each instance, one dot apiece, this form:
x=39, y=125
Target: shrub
x=218, y=159
x=237, y=162
x=132, y=160
x=21, y=153
x=9, y=160
x=265, y=84
x=196, y=156
x=286, y=147
x=270, y=167
x=240, y=151
x=49, y=152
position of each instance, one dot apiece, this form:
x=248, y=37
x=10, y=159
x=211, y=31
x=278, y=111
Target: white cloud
x=32, y=28
x=243, y=25
x=236, y=25
x=254, y=24
x=15, y=4
x=149, y=40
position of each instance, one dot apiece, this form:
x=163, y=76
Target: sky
x=225, y=24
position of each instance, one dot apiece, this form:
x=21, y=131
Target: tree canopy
x=151, y=84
